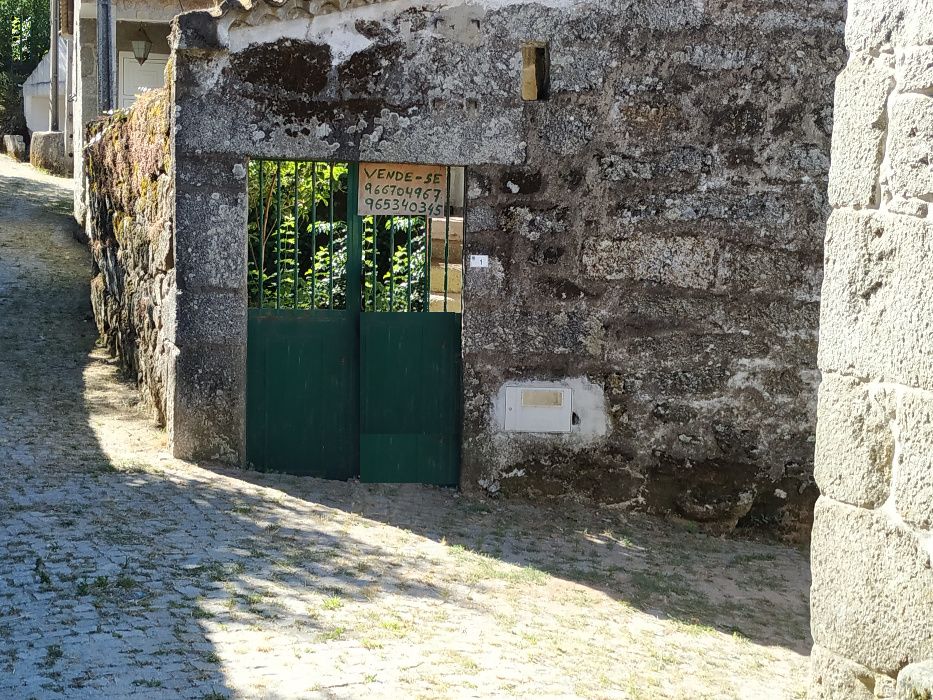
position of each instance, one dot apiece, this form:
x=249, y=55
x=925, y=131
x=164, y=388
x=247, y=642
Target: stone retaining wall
x=872, y=598
x=129, y=201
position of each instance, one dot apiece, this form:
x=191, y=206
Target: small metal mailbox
x=538, y=409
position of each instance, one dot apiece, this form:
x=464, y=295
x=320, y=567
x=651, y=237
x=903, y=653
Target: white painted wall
x=36, y=105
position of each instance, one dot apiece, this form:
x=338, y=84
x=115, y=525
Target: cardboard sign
x=399, y=189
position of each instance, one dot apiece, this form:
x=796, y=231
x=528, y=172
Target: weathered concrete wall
x=129, y=203
x=654, y=227
x=872, y=598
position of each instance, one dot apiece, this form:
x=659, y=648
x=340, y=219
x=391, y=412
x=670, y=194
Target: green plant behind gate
x=298, y=213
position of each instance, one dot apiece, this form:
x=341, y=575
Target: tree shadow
x=755, y=589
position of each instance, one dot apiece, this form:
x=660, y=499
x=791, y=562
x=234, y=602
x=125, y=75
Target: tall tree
x=24, y=40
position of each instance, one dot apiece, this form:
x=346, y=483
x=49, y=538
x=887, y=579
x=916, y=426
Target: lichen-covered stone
x=854, y=441
x=208, y=389
x=872, y=594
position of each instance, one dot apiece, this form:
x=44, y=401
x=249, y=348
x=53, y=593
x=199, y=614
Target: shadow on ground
x=755, y=589
x=79, y=615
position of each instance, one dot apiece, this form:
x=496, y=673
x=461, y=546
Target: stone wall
x=129, y=203
x=654, y=226
x=85, y=105
x=872, y=598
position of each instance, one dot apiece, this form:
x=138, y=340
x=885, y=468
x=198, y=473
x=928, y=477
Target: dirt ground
x=126, y=573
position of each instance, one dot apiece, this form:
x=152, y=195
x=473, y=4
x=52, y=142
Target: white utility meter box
x=538, y=409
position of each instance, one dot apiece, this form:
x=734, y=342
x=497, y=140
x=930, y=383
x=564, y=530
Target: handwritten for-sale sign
x=399, y=189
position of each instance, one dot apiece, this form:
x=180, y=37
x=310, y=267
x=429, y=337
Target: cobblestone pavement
x=125, y=573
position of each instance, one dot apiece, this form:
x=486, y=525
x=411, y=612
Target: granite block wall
x=654, y=226
x=872, y=597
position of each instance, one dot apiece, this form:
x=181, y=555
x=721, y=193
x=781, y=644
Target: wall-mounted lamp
x=141, y=46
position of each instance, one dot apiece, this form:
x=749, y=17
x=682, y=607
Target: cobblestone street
x=126, y=573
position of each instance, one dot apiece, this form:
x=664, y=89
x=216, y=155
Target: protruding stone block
x=873, y=25
x=862, y=91
x=872, y=593
x=196, y=30
x=854, y=442
x=14, y=146
x=913, y=493
x=877, y=313
x=47, y=151
x=907, y=169
x=833, y=677
x=915, y=682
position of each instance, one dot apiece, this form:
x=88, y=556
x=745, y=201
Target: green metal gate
x=353, y=359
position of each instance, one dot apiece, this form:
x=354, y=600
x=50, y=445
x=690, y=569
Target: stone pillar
x=85, y=102
x=872, y=596
x=206, y=402
x=206, y=382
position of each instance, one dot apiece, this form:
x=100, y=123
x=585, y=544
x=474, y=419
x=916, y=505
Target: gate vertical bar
x=261, y=199
x=408, y=260
x=375, y=258
x=427, y=264
x=314, y=235
x=330, y=239
x=446, y=237
x=392, y=264
x=296, y=236
x=354, y=244
x=278, y=235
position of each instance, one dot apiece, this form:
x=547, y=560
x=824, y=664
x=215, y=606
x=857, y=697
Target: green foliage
x=300, y=252
x=394, y=281
x=24, y=34
x=12, y=119
x=24, y=40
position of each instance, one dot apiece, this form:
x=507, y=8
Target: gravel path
x=126, y=573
